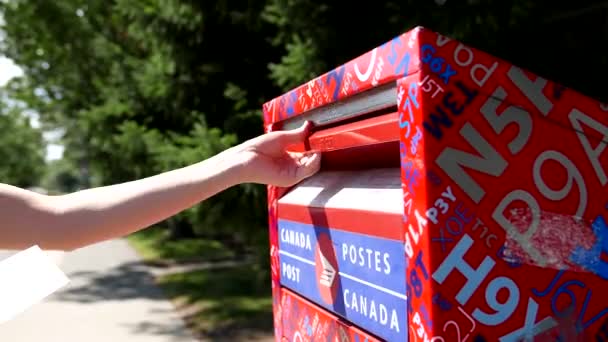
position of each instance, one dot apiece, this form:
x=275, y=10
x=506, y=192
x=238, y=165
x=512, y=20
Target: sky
x=8, y=70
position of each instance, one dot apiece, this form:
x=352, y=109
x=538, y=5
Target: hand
x=266, y=160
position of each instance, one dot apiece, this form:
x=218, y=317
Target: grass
x=224, y=303
x=152, y=245
x=220, y=304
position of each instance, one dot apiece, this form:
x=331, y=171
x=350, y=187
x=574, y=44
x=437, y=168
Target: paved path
x=110, y=297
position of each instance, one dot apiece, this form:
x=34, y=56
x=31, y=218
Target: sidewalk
x=110, y=297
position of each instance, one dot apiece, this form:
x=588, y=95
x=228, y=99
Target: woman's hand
x=266, y=159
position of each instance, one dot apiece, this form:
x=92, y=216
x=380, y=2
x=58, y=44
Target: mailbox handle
x=374, y=130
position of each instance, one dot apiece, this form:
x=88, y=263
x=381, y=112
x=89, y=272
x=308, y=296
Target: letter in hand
x=267, y=160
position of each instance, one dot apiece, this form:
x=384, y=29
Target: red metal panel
x=306, y=322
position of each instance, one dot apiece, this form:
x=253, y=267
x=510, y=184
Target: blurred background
x=100, y=92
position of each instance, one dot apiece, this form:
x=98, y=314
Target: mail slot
x=460, y=198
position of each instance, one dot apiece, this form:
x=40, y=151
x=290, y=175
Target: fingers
x=309, y=165
x=296, y=136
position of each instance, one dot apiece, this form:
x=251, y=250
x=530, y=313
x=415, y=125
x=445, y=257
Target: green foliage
x=295, y=67
x=154, y=245
x=61, y=176
x=563, y=42
x=21, y=150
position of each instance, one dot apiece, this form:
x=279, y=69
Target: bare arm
x=71, y=221
x=74, y=220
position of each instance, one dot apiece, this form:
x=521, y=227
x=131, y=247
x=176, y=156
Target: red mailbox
x=461, y=198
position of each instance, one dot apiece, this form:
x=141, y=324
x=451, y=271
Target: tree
x=21, y=149
x=61, y=177
x=560, y=41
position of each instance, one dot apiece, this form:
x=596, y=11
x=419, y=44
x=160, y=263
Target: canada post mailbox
x=461, y=198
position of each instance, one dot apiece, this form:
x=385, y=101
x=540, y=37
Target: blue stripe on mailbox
x=359, y=277
x=376, y=260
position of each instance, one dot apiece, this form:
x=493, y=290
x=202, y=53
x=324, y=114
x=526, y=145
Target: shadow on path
x=131, y=280
x=147, y=328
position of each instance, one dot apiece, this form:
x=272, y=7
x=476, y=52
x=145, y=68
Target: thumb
x=298, y=135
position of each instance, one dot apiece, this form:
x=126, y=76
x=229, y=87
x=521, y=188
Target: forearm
x=75, y=220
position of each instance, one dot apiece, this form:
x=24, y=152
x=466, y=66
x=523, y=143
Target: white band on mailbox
x=376, y=190
x=26, y=278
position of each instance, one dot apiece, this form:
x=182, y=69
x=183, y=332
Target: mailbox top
x=374, y=69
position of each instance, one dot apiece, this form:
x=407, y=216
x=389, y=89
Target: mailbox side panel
x=505, y=201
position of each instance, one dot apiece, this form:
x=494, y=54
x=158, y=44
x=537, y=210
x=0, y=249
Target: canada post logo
x=359, y=277
x=326, y=269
